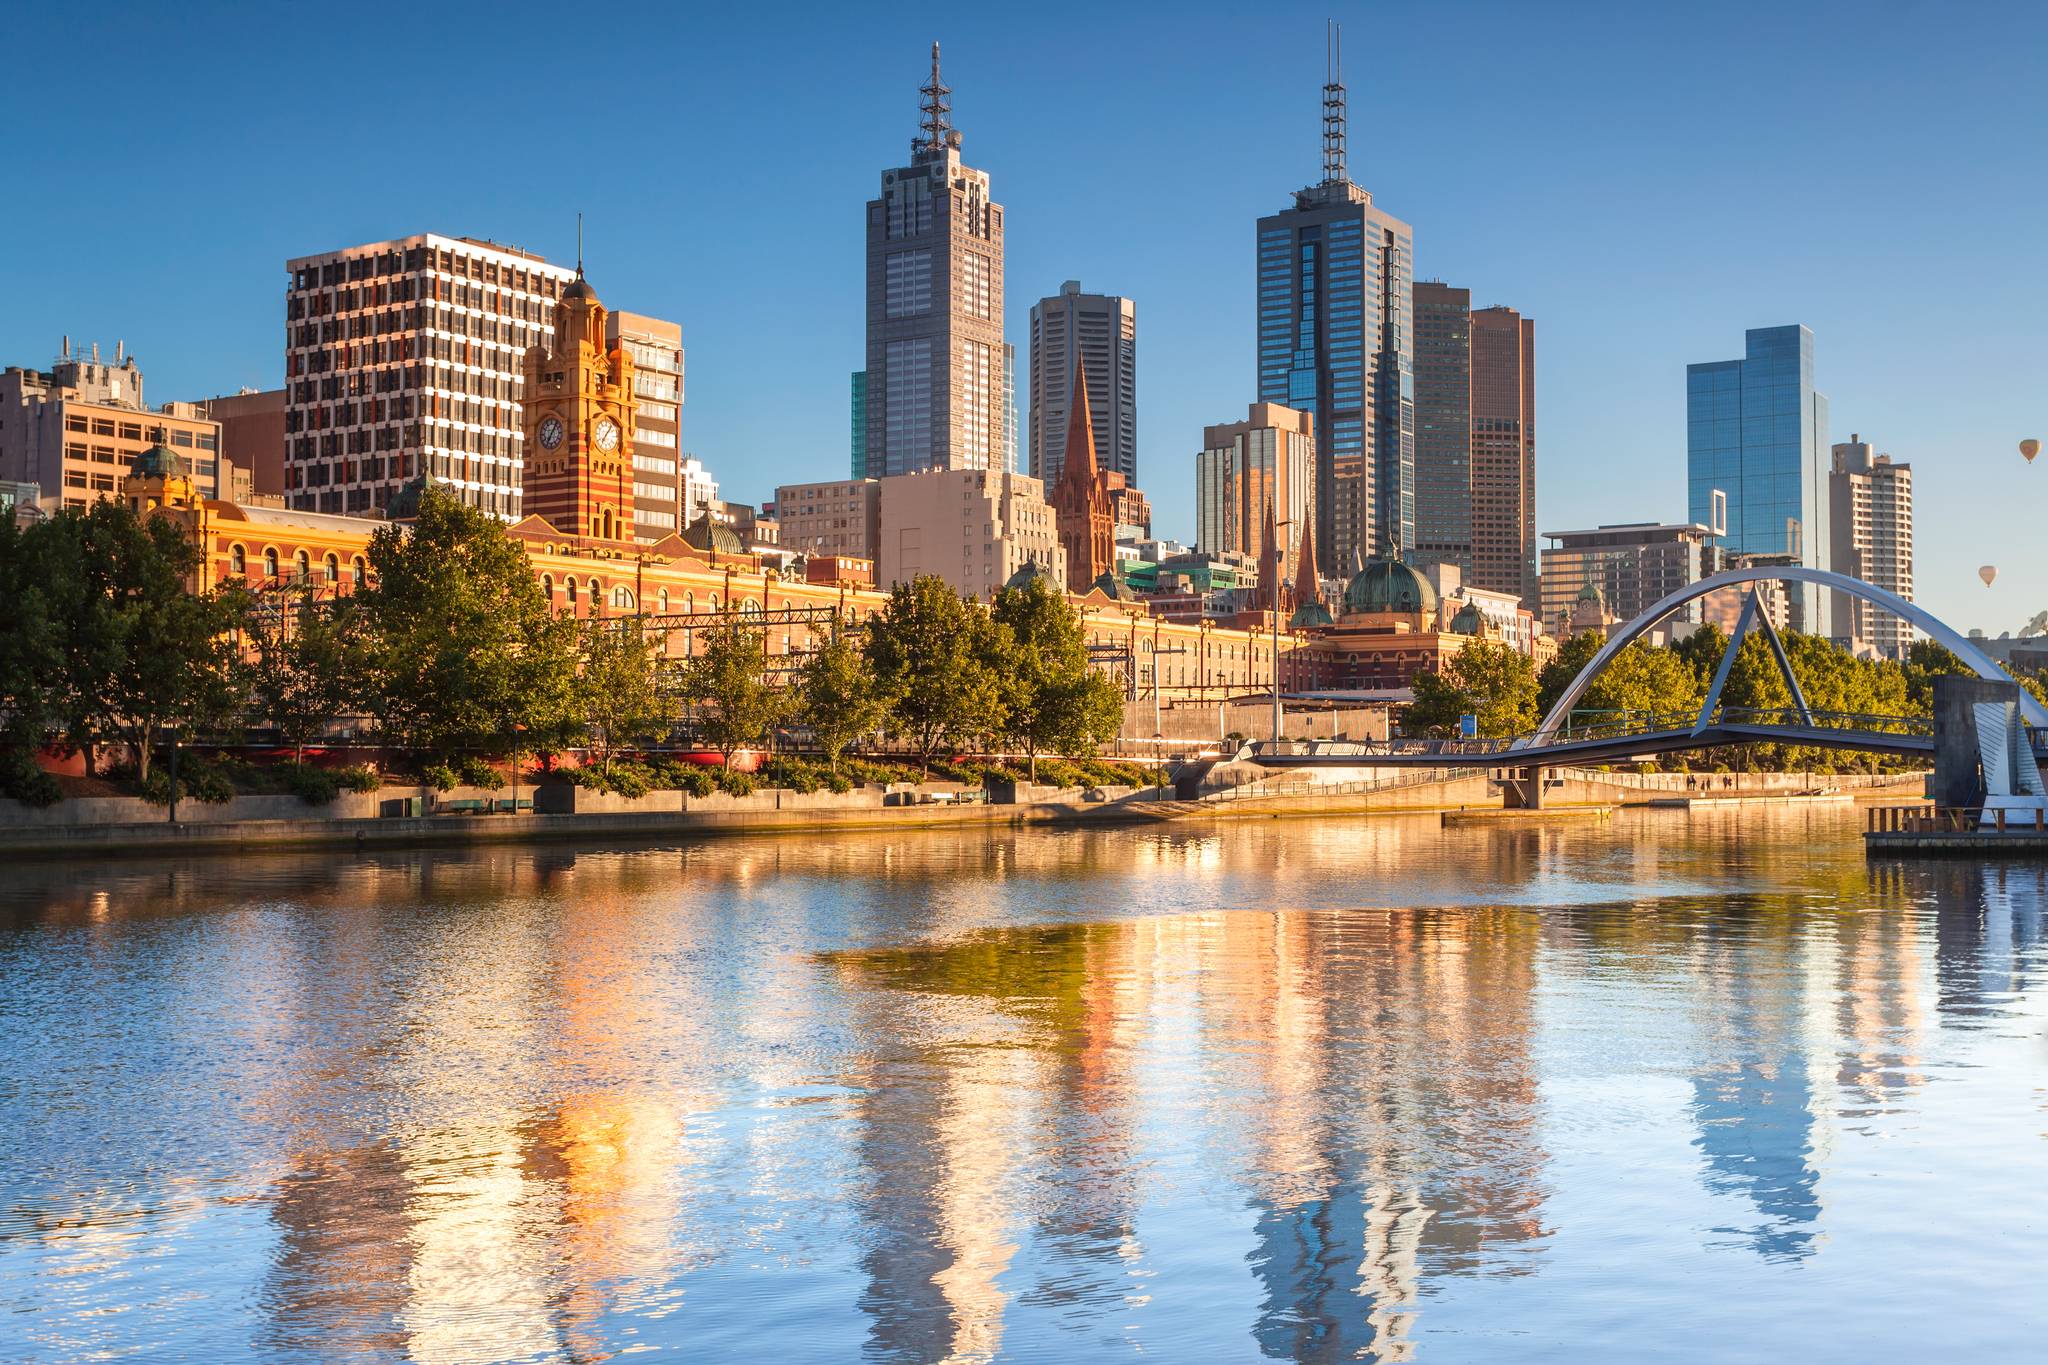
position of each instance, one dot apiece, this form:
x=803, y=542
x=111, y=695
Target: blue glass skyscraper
x=1335, y=340
x=1757, y=430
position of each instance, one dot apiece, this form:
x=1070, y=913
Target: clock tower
x=578, y=407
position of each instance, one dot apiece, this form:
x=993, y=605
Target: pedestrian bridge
x=1558, y=740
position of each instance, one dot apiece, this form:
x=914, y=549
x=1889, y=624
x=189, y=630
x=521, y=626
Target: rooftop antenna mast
x=579, y=244
x=1334, y=169
x=937, y=106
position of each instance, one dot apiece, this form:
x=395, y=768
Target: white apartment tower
x=406, y=356
x=1099, y=334
x=1871, y=529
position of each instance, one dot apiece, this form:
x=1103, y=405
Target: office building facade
x=1443, y=424
x=406, y=357
x=971, y=527
x=1098, y=334
x=934, y=386
x=1871, y=522
x=1335, y=283
x=1254, y=473
x=656, y=350
x=74, y=429
x=1503, y=458
x=840, y=518
x=1756, y=430
x=858, y=391
x=1632, y=566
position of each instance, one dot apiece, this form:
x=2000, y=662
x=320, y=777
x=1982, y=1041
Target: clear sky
x=1644, y=180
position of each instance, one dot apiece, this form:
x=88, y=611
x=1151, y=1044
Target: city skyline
x=1640, y=293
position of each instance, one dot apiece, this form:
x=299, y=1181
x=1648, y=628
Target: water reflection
x=1309, y=1092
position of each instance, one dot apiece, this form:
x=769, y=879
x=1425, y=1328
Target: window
x=333, y=567
x=547, y=586
x=238, y=559
x=907, y=283
x=270, y=563
x=569, y=588
x=302, y=564
x=622, y=598
x=357, y=571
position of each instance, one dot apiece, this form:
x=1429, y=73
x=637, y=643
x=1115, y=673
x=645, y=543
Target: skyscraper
x=1504, y=453
x=1871, y=515
x=406, y=357
x=1443, y=424
x=934, y=387
x=1757, y=430
x=1099, y=334
x=1253, y=474
x=1334, y=279
x=860, y=424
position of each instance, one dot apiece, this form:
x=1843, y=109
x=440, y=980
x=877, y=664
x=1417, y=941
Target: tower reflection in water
x=932, y=1099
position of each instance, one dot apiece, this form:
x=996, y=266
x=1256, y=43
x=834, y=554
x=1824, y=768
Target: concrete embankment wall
x=1578, y=785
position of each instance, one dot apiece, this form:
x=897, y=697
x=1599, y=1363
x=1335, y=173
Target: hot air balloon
x=1987, y=573
x=2030, y=448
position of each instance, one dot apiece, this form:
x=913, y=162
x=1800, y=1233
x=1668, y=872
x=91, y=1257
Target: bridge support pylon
x=1522, y=789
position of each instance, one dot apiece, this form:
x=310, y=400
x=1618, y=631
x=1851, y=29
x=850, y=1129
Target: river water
x=1672, y=1088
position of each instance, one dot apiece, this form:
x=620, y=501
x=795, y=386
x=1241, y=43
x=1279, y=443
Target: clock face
x=551, y=432
x=606, y=434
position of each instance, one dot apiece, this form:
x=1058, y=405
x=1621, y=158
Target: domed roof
x=1589, y=592
x=579, y=288
x=160, y=462
x=1388, y=585
x=1031, y=571
x=1310, y=616
x=1469, y=620
x=1114, y=588
x=713, y=537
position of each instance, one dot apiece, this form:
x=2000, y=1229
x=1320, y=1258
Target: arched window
x=622, y=598
x=569, y=586
x=357, y=571
x=270, y=563
x=333, y=567
x=714, y=601
x=303, y=562
x=751, y=607
x=689, y=602
x=547, y=587
x=238, y=559
x=663, y=599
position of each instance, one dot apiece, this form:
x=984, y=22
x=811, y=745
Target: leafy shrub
x=698, y=780
x=22, y=780
x=476, y=771
x=792, y=773
x=667, y=774
x=631, y=780
x=360, y=777
x=736, y=783
x=839, y=782
x=314, y=786
x=440, y=777
x=198, y=780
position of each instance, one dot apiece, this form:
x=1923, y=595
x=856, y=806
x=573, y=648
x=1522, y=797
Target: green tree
x=305, y=659
x=617, y=692
x=727, y=683
x=1054, y=702
x=930, y=649
x=1925, y=661
x=463, y=649
x=31, y=649
x=839, y=697
x=1644, y=681
x=1571, y=658
x=1493, y=681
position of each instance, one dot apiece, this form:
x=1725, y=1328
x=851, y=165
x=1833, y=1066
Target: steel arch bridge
x=1555, y=742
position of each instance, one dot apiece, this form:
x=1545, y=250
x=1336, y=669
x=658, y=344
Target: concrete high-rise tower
x=934, y=387
x=1871, y=517
x=1335, y=274
x=1504, y=453
x=1096, y=333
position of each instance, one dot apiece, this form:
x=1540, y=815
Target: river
x=1671, y=1087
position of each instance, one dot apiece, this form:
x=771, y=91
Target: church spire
x=1080, y=427
x=1308, y=587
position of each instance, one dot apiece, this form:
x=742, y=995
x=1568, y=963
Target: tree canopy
x=1053, y=701
x=1488, y=679
x=934, y=651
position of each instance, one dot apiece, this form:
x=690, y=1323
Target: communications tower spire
x=1334, y=150
x=937, y=107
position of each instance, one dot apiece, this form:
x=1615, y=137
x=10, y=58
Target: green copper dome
x=1114, y=588
x=1468, y=621
x=1388, y=585
x=1031, y=570
x=160, y=462
x=405, y=503
x=713, y=537
x=1310, y=616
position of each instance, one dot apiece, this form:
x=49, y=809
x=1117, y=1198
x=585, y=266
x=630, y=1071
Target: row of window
x=302, y=566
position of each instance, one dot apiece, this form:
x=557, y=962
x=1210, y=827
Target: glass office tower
x=1757, y=430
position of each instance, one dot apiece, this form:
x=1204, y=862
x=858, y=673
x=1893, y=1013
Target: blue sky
x=1644, y=181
